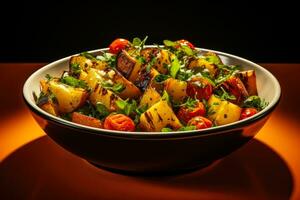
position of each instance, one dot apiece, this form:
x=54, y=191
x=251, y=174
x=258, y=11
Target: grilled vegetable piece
x=176, y=89
x=223, y=112
x=145, y=79
x=130, y=91
x=125, y=63
x=99, y=93
x=85, y=64
x=249, y=79
x=150, y=97
x=162, y=57
x=86, y=120
x=67, y=97
x=209, y=61
x=235, y=87
x=159, y=116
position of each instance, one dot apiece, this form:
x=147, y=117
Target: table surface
x=32, y=166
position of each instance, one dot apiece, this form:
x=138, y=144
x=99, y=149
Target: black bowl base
x=203, y=167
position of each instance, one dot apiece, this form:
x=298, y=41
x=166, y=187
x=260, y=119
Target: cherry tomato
x=200, y=122
x=186, y=113
x=118, y=45
x=236, y=87
x=119, y=122
x=187, y=43
x=200, y=88
x=248, y=112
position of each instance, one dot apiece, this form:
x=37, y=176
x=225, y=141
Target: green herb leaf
x=117, y=88
x=175, y=66
x=161, y=78
x=184, y=74
x=213, y=59
x=74, y=82
x=136, y=41
x=127, y=107
x=165, y=96
x=256, y=102
x=166, y=129
x=187, y=128
x=190, y=103
x=101, y=108
x=88, y=55
x=225, y=95
x=75, y=68
x=48, y=77
x=187, y=50
x=110, y=59
x=169, y=43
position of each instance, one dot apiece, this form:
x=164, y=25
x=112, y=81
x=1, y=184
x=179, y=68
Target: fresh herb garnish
x=88, y=55
x=161, y=78
x=110, y=59
x=184, y=74
x=126, y=107
x=165, y=96
x=190, y=103
x=150, y=64
x=187, y=128
x=102, y=110
x=175, y=66
x=256, y=102
x=75, y=68
x=222, y=94
x=117, y=88
x=89, y=110
x=48, y=77
x=74, y=82
x=166, y=129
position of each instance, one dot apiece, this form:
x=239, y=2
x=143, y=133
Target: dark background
x=43, y=32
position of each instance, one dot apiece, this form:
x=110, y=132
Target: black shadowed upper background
x=46, y=31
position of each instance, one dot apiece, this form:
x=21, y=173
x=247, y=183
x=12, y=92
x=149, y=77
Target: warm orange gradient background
x=32, y=166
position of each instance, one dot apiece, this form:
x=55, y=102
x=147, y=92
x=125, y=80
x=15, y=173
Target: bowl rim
x=153, y=135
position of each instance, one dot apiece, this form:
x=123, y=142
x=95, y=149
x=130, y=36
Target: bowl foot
x=179, y=171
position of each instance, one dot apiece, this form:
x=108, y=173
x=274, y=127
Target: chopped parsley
x=74, y=82
x=117, y=88
x=255, y=102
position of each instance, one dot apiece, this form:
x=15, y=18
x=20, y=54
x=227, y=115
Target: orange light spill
x=281, y=133
x=17, y=130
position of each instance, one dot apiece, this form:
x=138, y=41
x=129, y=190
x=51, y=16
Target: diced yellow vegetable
x=202, y=63
x=223, y=112
x=68, y=98
x=176, y=89
x=150, y=97
x=50, y=107
x=162, y=61
x=98, y=93
x=158, y=116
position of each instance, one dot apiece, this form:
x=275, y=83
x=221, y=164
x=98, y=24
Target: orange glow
x=34, y=165
x=16, y=131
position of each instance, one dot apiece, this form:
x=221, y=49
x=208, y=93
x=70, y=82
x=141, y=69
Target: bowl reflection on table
x=145, y=152
x=43, y=170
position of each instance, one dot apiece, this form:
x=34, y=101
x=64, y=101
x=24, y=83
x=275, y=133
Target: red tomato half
x=185, y=114
x=248, y=112
x=118, y=45
x=119, y=122
x=200, y=88
x=200, y=122
x=187, y=43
